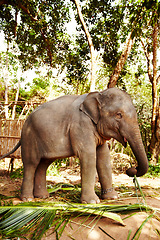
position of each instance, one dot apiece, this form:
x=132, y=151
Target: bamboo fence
x=10, y=133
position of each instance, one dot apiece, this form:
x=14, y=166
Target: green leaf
x=110, y=215
x=142, y=225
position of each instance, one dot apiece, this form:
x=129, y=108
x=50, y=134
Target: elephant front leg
x=104, y=170
x=88, y=174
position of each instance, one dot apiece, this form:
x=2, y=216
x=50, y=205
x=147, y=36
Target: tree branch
x=158, y=79
x=149, y=62
x=26, y=11
x=19, y=6
x=115, y=75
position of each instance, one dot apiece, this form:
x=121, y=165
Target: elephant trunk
x=137, y=147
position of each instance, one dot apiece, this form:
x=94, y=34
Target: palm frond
x=18, y=220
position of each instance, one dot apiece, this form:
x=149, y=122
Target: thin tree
x=120, y=64
x=154, y=145
x=155, y=99
x=91, y=46
x=154, y=79
x=16, y=100
x=6, y=84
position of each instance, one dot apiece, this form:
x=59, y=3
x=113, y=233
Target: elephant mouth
x=123, y=140
x=120, y=138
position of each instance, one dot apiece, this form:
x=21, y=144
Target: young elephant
x=79, y=126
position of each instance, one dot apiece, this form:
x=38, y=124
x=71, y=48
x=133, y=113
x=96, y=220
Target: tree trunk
x=115, y=75
x=155, y=100
x=6, y=85
x=158, y=133
x=16, y=99
x=6, y=99
x=91, y=46
x=149, y=61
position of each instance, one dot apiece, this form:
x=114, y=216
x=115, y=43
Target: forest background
x=56, y=47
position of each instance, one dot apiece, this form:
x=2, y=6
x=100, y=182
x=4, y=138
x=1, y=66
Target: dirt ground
x=89, y=230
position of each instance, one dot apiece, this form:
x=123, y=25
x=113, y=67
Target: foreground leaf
x=18, y=220
x=36, y=218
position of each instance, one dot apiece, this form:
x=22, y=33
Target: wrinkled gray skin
x=79, y=126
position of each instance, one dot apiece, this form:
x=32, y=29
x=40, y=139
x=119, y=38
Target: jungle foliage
x=37, y=35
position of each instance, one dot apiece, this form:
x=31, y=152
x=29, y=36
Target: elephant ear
x=90, y=106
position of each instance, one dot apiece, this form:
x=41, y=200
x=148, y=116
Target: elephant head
x=115, y=117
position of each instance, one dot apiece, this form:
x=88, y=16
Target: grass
x=153, y=171
x=17, y=173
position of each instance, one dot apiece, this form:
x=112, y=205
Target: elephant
x=79, y=125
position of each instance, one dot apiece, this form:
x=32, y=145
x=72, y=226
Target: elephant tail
x=12, y=151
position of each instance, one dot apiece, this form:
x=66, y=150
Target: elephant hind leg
x=40, y=190
x=27, y=184
x=31, y=161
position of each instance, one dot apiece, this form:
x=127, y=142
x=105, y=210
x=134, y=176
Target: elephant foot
x=109, y=194
x=26, y=198
x=89, y=199
x=43, y=195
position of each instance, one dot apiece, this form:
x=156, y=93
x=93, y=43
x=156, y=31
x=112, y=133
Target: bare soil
x=89, y=230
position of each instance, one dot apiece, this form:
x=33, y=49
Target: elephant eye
x=118, y=115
